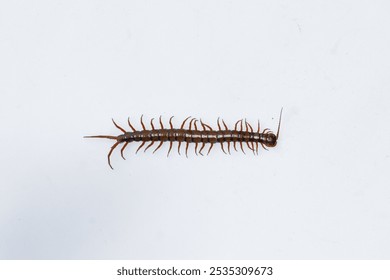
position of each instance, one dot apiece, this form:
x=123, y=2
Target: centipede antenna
x=280, y=120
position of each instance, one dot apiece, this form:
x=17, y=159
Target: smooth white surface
x=67, y=67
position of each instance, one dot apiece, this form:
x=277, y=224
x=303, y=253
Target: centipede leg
x=124, y=131
x=222, y=147
x=252, y=143
x=249, y=146
x=219, y=127
x=109, y=154
x=229, y=147
x=170, y=148
x=170, y=122
x=241, y=125
x=182, y=125
x=201, y=148
x=123, y=148
x=242, y=149
x=158, y=147
x=140, y=146
x=235, y=129
x=250, y=127
x=196, y=144
x=128, y=121
x=187, y=145
x=225, y=125
x=142, y=123
x=151, y=123
x=161, y=124
x=235, y=126
x=265, y=148
x=257, y=148
x=178, y=147
x=196, y=127
x=205, y=125
x=150, y=145
x=212, y=144
x=190, y=125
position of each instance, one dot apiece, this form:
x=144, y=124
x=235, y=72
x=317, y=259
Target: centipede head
x=271, y=140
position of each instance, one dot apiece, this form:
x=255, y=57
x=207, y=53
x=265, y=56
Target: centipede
x=242, y=134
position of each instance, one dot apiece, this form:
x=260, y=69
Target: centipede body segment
x=242, y=134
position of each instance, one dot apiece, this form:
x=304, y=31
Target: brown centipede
x=243, y=133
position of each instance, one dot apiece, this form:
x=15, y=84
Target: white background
x=68, y=67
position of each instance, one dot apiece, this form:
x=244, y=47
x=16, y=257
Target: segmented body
x=242, y=134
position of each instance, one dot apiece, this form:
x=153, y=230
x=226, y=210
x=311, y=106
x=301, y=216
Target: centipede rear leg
x=109, y=154
x=123, y=148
